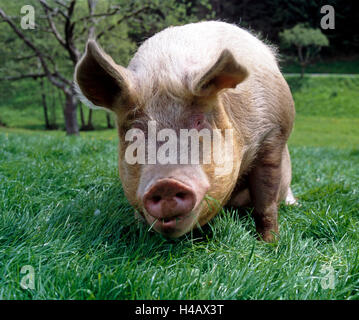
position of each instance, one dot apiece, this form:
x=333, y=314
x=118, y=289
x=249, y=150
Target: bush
x=307, y=42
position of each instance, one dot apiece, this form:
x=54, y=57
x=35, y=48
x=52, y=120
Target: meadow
x=63, y=212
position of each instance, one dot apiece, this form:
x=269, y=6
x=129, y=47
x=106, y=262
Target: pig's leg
x=264, y=187
x=240, y=196
x=285, y=193
x=240, y=199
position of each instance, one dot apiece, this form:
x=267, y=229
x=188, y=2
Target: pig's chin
x=174, y=227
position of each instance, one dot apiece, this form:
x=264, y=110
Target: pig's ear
x=101, y=81
x=224, y=73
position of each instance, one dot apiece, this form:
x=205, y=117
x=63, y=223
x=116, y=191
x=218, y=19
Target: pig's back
x=189, y=49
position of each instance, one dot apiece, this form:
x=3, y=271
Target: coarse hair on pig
x=164, y=65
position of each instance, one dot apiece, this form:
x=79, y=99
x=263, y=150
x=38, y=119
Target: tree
x=62, y=29
x=306, y=41
x=269, y=17
x=62, y=22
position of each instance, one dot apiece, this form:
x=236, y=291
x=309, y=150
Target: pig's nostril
x=156, y=199
x=180, y=195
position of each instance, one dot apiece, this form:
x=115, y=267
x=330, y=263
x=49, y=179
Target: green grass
x=335, y=97
x=48, y=221
x=62, y=211
x=21, y=106
x=325, y=131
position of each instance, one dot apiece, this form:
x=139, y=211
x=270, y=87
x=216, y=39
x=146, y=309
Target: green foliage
x=119, y=41
x=119, y=34
x=306, y=41
x=303, y=36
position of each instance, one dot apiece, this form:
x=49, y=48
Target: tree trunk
x=89, y=125
x=70, y=114
x=108, y=119
x=44, y=105
x=301, y=61
x=82, y=117
x=52, y=116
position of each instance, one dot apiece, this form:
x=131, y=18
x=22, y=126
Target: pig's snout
x=169, y=199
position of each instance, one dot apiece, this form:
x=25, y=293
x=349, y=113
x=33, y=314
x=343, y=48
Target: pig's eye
x=137, y=125
x=199, y=122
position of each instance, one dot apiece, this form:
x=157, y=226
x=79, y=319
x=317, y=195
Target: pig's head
x=172, y=195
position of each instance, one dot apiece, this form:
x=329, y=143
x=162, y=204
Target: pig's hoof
x=268, y=236
x=290, y=200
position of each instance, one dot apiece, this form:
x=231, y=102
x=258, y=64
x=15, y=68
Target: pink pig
x=208, y=75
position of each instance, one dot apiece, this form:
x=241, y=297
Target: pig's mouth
x=171, y=227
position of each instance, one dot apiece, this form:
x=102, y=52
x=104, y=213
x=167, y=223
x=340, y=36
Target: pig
x=212, y=75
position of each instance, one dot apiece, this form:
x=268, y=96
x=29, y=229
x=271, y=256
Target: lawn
x=62, y=212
